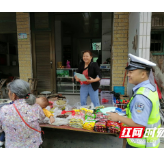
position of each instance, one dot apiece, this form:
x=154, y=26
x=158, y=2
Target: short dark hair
x=90, y=53
x=147, y=71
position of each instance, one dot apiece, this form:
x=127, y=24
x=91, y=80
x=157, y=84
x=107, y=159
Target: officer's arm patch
x=139, y=107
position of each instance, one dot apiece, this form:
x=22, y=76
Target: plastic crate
x=119, y=89
x=106, y=97
x=122, y=106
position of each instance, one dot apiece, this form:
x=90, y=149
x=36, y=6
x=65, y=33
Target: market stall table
x=63, y=127
x=67, y=127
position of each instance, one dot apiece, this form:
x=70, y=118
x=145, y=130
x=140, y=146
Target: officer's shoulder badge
x=139, y=107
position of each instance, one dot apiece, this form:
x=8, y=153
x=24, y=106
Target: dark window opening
x=156, y=43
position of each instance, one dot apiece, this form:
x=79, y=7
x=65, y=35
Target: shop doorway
x=43, y=50
x=42, y=58
x=75, y=33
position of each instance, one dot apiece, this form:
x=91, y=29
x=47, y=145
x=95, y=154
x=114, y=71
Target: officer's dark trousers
x=129, y=146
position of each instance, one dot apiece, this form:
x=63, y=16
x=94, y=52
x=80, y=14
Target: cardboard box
x=124, y=97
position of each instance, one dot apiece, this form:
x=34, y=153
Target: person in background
x=17, y=133
x=92, y=73
x=43, y=102
x=99, y=60
x=157, y=88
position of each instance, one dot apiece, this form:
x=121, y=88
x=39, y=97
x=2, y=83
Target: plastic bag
x=120, y=111
x=78, y=106
x=90, y=117
x=99, y=107
x=61, y=121
x=100, y=127
x=89, y=125
x=68, y=108
x=91, y=106
x=60, y=103
x=72, y=112
x=77, y=111
x=54, y=110
x=48, y=108
x=86, y=111
x=57, y=112
x=46, y=120
x=77, y=121
x=113, y=127
x=101, y=117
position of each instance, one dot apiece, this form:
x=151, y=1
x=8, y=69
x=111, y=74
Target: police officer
x=143, y=108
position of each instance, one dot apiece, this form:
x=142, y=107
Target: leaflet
x=81, y=77
x=108, y=109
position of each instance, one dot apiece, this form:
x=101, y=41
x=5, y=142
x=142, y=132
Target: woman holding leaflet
x=92, y=73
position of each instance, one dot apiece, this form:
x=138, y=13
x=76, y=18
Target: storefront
x=58, y=37
x=46, y=39
x=61, y=37
x=52, y=38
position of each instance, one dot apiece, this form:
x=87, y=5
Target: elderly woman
x=17, y=133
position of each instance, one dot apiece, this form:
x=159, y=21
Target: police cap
x=139, y=63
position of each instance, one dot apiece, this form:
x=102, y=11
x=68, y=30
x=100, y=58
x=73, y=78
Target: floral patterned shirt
x=17, y=134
